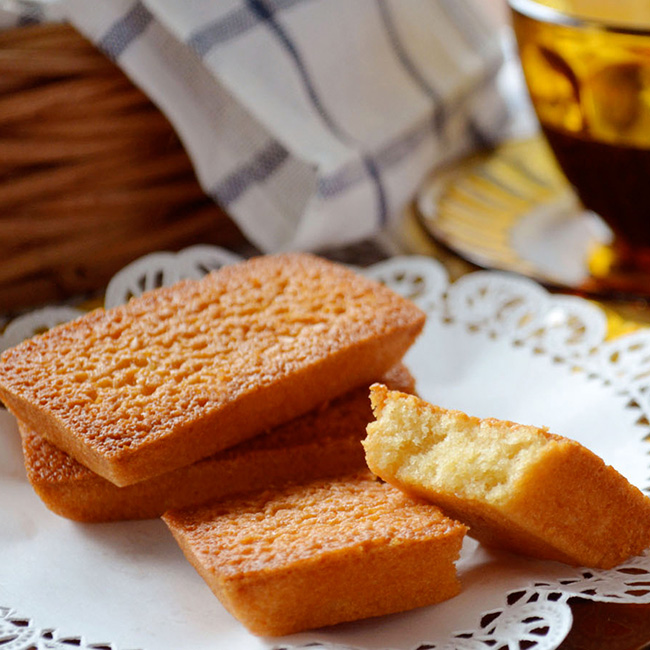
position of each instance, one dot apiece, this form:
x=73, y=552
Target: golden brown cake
x=324, y=442
x=318, y=554
x=515, y=486
x=183, y=372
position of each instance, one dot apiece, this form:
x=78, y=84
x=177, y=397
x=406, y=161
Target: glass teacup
x=587, y=68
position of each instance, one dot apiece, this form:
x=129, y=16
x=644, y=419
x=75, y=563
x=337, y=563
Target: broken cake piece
x=515, y=486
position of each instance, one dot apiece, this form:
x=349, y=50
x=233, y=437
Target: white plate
x=494, y=345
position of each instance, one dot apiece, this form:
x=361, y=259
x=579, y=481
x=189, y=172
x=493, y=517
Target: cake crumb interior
x=448, y=450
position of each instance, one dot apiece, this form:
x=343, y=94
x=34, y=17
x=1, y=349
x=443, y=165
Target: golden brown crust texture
x=323, y=553
x=185, y=371
x=522, y=488
x=324, y=442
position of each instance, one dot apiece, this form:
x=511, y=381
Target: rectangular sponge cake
x=515, y=486
x=324, y=442
x=312, y=555
x=183, y=372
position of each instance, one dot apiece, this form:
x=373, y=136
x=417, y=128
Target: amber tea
x=590, y=85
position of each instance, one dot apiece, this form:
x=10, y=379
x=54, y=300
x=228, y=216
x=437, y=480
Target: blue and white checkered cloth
x=312, y=122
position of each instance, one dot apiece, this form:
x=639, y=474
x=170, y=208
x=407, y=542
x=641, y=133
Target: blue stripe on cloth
x=386, y=157
x=238, y=22
x=281, y=5
x=341, y=180
x=439, y=109
x=468, y=27
x=382, y=201
x=125, y=30
x=221, y=31
x=30, y=13
x=440, y=112
x=266, y=14
x=233, y=24
x=403, y=55
x=261, y=167
x=383, y=159
x=393, y=152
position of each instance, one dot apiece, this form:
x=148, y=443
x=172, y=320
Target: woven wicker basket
x=92, y=174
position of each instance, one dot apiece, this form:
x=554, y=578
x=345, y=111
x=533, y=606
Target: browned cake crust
x=185, y=371
x=318, y=554
x=515, y=486
x=324, y=442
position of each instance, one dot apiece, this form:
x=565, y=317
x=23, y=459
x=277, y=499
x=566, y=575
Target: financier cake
x=183, y=372
x=324, y=442
x=306, y=556
x=515, y=486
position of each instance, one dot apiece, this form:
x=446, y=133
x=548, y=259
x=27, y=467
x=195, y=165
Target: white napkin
x=312, y=122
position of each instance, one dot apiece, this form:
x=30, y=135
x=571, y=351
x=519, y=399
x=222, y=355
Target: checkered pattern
x=312, y=122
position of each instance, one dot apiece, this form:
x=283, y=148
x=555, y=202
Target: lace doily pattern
x=565, y=329
x=504, y=305
x=34, y=322
x=18, y=633
x=536, y=619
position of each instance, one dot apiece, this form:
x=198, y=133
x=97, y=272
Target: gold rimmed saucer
x=511, y=209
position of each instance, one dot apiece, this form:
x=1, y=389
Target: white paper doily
x=494, y=345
